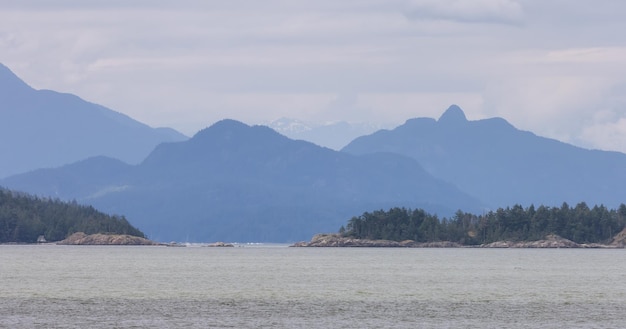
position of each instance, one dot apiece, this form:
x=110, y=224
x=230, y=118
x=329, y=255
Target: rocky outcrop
x=336, y=240
x=550, y=241
x=619, y=241
x=81, y=238
x=220, y=244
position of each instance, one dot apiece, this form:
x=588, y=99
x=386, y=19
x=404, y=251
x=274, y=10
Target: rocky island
x=550, y=241
x=336, y=240
x=100, y=239
x=511, y=227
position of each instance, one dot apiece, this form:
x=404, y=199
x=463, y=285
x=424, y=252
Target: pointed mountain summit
x=453, y=115
x=44, y=128
x=501, y=165
x=234, y=182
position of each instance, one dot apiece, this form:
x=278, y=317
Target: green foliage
x=23, y=218
x=580, y=224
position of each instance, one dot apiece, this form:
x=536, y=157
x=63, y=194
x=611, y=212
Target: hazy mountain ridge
x=239, y=183
x=500, y=164
x=44, y=128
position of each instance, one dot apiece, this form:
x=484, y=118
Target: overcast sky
x=553, y=67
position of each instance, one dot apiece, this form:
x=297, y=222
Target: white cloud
x=606, y=135
x=552, y=106
x=564, y=94
x=593, y=55
x=468, y=11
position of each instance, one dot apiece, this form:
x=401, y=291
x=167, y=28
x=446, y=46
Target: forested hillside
x=580, y=224
x=23, y=218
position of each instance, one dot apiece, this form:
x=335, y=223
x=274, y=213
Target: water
x=261, y=287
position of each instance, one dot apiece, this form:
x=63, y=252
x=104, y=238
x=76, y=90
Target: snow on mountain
x=333, y=135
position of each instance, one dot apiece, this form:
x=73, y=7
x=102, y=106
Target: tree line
x=580, y=224
x=23, y=218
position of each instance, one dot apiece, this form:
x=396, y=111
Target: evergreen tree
x=23, y=218
x=579, y=224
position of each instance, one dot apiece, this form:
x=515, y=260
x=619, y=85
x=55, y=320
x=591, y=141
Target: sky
x=553, y=67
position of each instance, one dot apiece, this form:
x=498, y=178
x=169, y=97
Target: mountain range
x=236, y=182
x=44, y=128
x=501, y=165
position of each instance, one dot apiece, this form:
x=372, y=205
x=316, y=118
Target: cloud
x=586, y=111
x=468, y=11
x=398, y=107
x=605, y=127
x=251, y=108
x=546, y=66
x=608, y=135
x=571, y=94
x=590, y=55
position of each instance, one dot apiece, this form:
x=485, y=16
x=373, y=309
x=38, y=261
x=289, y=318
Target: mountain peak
x=225, y=126
x=229, y=124
x=453, y=114
x=234, y=132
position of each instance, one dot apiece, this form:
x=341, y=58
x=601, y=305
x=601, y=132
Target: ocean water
x=48, y=286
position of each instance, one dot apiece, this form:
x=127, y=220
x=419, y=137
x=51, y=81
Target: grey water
x=49, y=286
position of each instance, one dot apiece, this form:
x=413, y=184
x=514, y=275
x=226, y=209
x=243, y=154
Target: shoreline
x=100, y=239
x=551, y=241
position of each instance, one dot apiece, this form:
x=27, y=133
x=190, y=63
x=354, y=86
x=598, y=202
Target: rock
x=336, y=240
x=220, y=244
x=619, y=241
x=551, y=241
x=80, y=238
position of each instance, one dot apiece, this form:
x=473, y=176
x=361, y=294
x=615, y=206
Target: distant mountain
x=234, y=182
x=334, y=135
x=501, y=165
x=44, y=128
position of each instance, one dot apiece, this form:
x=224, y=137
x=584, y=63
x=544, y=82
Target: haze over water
x=274, y=287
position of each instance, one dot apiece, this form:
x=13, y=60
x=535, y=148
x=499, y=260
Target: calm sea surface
x=51, y=286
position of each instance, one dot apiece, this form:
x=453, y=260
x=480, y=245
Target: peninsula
x=29, y=219
x=511, y=227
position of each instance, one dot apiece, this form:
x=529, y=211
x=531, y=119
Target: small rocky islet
x=100, y=239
